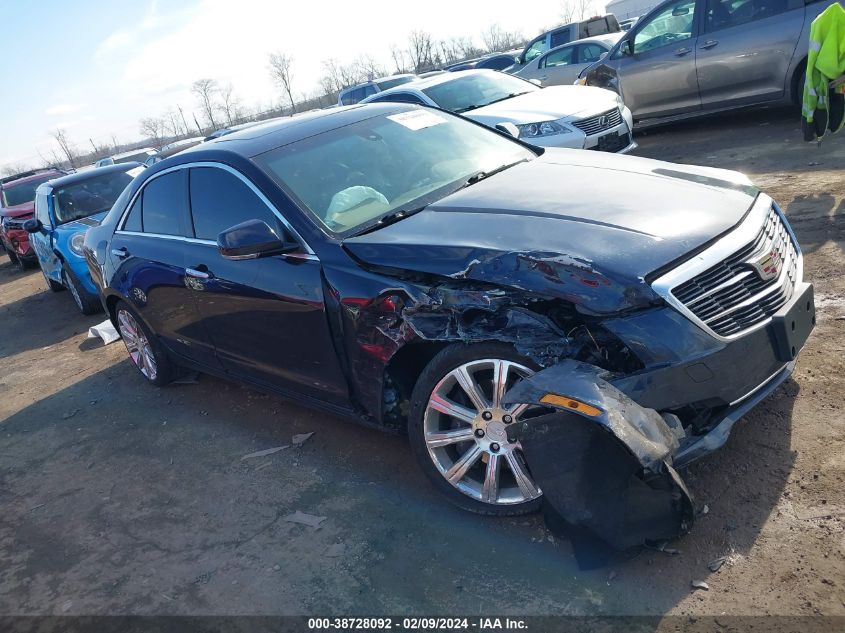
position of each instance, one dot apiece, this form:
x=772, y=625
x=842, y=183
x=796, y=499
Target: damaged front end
x=604, y=463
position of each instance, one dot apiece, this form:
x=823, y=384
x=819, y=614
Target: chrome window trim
x=212, y=243
x=741, y=236
x=213, y=165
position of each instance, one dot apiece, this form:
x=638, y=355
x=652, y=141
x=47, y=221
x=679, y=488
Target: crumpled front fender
x=650, y=437
x=602, y=461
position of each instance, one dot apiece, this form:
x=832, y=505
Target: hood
x=584, y=226
x=27, y=208
x=83, y=224
x=552, y=103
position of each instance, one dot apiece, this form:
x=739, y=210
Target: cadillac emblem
x=768, y=265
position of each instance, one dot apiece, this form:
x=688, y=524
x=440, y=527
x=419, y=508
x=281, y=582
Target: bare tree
x=573, y=10
x=282, y=73
x=206, y=90
x=399, y=59
x=154, y=128
x=368, y=68
x=182, y=116
x=66, y=146
x=421, y=50
x=231, y=104
x=10, y=169
x=495, y=39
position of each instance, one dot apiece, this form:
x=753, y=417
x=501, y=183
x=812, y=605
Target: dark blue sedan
x=419, y=272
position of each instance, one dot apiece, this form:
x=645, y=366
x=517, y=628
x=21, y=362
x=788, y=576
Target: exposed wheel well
x=111, y=302
x=400, y=377
x=797, y=90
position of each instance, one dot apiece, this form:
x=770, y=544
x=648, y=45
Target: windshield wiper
x=390, y=218
x=481, y=175
x=483, y=105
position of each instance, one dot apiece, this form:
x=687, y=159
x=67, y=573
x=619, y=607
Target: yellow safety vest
x=826, y=58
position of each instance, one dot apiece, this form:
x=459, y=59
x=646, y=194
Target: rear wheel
x=144, y=349
x=87, y=303
x=457, y=429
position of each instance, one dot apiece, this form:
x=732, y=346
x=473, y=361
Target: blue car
x=64, y=209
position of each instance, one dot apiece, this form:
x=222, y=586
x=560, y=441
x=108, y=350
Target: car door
x=656, y=64
x=555, y=67
x=42, y=241
x=745, y=50
x=266, y=317
x=148, y=252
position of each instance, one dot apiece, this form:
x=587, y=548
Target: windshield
x=469, y=92
x=88, y=197
x=140, y=157
x=351, y=177
x=25, y=192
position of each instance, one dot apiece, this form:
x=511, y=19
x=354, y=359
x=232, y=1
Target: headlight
x=76, y=243
x=544, y=128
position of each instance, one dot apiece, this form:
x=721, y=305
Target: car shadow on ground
x=119, y=497
x=47, y=318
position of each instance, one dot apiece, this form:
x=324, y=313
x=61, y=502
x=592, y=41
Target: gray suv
x=690, y=57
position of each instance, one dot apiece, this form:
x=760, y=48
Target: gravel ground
x=119, y=498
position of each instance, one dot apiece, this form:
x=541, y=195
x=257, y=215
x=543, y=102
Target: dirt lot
x=116, y=497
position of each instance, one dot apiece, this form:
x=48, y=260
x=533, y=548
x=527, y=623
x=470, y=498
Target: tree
x=66, y=146
x=421, y=51
x=282, y=73
x=497, y=39
x=10, y=169
x=154, y=128
x=231, y=104
x=206, y=90
x=574, y=10
x=399, y=61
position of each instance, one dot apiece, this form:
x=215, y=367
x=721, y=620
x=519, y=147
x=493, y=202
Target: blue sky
x=94, y=67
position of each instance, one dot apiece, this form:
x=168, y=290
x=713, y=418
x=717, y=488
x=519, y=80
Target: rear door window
x=723, y=14
x=588, y=53
x=163, y=204
x=563, y=57
x=220, y=200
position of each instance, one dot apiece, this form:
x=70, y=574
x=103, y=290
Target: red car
x=17, y=205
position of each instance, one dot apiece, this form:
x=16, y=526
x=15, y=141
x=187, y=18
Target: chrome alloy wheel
x=465, y=432
x=137, y=344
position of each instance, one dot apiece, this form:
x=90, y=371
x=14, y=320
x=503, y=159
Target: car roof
x=272, y=134
x=82, y=176
x=14, y=181
x=436, y=80
x=131, y=152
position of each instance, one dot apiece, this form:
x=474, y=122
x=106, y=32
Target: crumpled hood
x=27, y=208
x=552, y=103
x=584, y=226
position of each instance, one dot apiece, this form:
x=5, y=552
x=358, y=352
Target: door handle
x=683, y=51
x=709, y=44
x=200, y=272
x=120, y=253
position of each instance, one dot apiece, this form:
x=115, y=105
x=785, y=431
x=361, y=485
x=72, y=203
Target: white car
x=578, y=117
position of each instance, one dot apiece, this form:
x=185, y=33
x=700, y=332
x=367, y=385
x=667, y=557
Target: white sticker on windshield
x=417, y=119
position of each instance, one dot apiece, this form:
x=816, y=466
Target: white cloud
x=63, y=109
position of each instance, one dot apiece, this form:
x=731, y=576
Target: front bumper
x=18, y=241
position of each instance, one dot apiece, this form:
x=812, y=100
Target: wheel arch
x=400, y=377
x=795, y=89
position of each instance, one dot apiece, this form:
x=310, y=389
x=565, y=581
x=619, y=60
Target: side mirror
x=252, y=239
x=508, y=128
x=536, y=82
x=33, y=226
x=627, y=47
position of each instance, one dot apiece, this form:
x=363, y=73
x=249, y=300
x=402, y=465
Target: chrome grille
x=596, y=124
x=735, y=295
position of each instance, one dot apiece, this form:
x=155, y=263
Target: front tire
x=457, y=429
x=86, y=303
x=145, y=352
